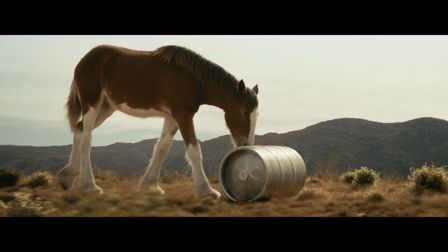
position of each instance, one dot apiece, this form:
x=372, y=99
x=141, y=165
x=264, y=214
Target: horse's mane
x=202, y=69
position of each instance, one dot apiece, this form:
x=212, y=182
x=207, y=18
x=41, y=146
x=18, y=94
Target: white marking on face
x=253, y=121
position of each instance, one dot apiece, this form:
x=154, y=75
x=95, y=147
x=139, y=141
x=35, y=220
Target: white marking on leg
x=75, y=154
x=194, y=158
x=161, y=149
x=253, y=122
x=232, y=141
x=68, y=174
x=87, y=181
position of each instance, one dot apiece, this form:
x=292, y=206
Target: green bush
x=8, y=178
x=360, y=177
x=430, y=178
x=39, y=179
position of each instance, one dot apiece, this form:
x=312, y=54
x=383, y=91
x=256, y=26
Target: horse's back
x=137, y=78
x=100, y=55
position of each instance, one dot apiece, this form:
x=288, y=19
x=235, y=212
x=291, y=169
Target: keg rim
x=221, y=169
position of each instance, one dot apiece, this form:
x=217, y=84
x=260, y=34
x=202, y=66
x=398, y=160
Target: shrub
x=366, y=176
x=429, y=178
x=38, y=179
x=375, y=197
x=360, y=177
x=348, y=177
x=8, y=178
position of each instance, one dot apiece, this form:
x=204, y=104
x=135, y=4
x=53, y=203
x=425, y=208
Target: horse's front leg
x=161, y=149
x=194, y=158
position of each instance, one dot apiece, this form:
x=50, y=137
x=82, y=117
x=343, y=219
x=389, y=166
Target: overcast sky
x=302, y=80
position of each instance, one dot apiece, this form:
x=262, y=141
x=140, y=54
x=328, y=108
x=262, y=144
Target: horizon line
x=342, y=118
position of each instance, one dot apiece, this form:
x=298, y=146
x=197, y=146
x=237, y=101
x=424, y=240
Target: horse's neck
x=217, y=97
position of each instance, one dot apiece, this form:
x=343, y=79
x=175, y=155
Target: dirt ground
x=319, y=197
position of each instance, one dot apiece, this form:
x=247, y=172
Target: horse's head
x=241, y=116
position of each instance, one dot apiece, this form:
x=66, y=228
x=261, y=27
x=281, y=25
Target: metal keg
x=254, y=172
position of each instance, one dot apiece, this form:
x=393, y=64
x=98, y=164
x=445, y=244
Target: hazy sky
x=302, y=80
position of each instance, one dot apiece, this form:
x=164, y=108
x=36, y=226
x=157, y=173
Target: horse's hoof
x=90, y=189
x=156, y=190
x=152, y=189
x=211, y=194
x=66, y=178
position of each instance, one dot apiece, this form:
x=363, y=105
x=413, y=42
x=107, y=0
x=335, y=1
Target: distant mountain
x=391, y=148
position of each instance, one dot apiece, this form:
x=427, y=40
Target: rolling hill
x=391, y=148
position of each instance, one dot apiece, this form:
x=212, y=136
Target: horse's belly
x=138, y=112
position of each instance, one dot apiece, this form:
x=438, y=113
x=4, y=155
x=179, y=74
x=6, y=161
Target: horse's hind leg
x=70, y=172
x=86, y=182
x=67, y=175
x=161, y=149
x=105, y=112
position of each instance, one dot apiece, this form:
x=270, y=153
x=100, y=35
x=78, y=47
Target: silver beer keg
x=249, y=173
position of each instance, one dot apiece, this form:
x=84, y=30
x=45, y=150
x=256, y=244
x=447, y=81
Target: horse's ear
x=241, y=87
x=255, y=89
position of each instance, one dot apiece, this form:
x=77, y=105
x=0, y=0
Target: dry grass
x=325, y=196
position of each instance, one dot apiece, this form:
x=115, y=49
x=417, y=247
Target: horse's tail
x=73, y=106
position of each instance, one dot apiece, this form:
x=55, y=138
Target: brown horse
x=170, y=82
